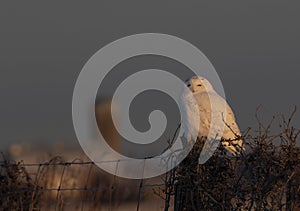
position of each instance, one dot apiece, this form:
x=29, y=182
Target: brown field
x=265, y=177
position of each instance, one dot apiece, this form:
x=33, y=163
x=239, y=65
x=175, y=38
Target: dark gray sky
x=254, y=46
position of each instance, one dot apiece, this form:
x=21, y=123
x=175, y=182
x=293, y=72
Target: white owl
x=208, y=113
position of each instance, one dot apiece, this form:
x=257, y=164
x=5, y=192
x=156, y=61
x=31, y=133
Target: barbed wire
x=58, y=181
x=66, y=163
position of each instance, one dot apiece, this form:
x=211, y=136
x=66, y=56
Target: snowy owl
x=211, y=116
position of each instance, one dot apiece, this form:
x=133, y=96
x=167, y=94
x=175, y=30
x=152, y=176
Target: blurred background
x=254, y=47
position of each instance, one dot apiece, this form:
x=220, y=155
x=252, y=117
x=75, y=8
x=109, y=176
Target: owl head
x=199, y=84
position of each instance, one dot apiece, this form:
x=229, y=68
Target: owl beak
x=193, y=87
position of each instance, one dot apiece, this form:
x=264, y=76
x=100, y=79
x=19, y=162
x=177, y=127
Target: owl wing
x=221, y=124
x=211, y=107
x=215, y=117
x=232, y=132
x=231, y=126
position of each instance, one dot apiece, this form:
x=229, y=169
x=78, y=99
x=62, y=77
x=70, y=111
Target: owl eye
x=199, y=85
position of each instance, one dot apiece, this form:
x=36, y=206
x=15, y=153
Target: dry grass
x=61, y=185
x=18, y=191
x=265, y=177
